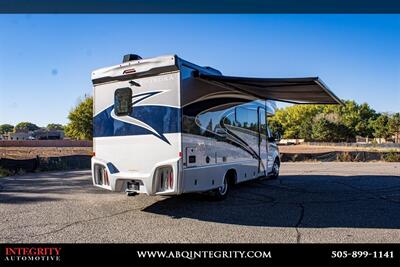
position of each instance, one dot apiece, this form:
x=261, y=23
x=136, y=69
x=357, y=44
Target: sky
x=46, y=60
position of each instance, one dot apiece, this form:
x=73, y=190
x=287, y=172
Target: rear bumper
x=146, y=183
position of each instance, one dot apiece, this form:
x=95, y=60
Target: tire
x=221, y=192
x=275, y=170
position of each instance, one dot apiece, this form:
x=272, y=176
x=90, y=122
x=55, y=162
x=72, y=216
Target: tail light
x=105, y=176
x=101, y=175
x=165, y=178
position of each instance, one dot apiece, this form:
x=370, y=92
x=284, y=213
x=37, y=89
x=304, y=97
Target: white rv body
x=161, y=128
x=137, y=156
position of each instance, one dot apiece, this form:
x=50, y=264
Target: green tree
x=80, y=124
x=54, y=126
x=366, y=113
x=323, y=130
x=290, y=119
x=394, y=126
x=5, y=128
x=275, y=126
x=380, y=126
x=345, y=121
x=25, y=127
x=326, y=127
x=354, y=117
x=306, y=129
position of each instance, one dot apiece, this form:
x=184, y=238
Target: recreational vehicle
x=165, y=126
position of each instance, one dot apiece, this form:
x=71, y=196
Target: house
x=43, y=134
x=21, y=136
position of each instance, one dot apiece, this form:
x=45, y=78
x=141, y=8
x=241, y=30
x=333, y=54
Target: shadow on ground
x=46, y=186
x=316, y=201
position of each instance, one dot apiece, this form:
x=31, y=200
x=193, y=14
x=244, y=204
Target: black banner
x=200, y=6
x=201, y=254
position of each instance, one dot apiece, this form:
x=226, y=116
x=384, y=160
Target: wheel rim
x=276, y=168
x=224, y=188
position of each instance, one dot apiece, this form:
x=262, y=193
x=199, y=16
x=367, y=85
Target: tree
x=323, y=130
x=54, y=126
x=380, y=126
x=25, y=127
x=290, y=119
x=80, y=124
x=275, y=126
x=306, y=128
x=354, y=117
x=366, y=113
x=394, y=126
x=329, y=128
x=344, y=121
x=5, y=128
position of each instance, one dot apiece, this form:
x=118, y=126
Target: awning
x=292, y=90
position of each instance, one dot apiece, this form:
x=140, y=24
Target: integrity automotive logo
x=31, y=254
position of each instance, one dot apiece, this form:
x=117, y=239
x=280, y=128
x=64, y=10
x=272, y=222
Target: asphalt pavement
x=311, y=202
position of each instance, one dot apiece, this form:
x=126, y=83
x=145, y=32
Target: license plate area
x=133, y=185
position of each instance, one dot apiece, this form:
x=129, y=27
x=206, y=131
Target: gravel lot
x=311, y=202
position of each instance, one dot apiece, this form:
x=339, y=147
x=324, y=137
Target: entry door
x=262, y=141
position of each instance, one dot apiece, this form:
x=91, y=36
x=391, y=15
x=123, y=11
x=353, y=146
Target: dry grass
x=32, y=152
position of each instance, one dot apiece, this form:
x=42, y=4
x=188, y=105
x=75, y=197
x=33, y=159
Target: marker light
x=128, y=71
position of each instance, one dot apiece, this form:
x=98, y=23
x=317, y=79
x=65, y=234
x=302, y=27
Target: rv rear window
x=123, y=101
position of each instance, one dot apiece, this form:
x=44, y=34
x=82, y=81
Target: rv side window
x=123, y=101
x=230, y=119
x=247, y=118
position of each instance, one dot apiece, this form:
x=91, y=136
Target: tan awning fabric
x=293, y=90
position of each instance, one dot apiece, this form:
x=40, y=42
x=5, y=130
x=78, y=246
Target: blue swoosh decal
x=144, y=119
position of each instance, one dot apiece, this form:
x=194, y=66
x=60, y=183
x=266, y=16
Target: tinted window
x=123, y=101
x=247, y=118
x=230, y=119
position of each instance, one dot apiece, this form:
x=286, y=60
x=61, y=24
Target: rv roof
x=140, y=66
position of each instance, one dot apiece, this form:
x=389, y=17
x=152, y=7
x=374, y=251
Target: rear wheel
x=275, y=169
x=221, y=192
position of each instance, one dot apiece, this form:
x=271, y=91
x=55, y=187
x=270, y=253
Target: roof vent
x=130, y=57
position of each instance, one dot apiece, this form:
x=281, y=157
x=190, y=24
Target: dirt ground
x=32, y=152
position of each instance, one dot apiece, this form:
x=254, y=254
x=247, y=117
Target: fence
x=385, y=145
x=347, y=156
x=75, y=162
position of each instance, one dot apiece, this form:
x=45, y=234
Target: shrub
x=391, y=156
